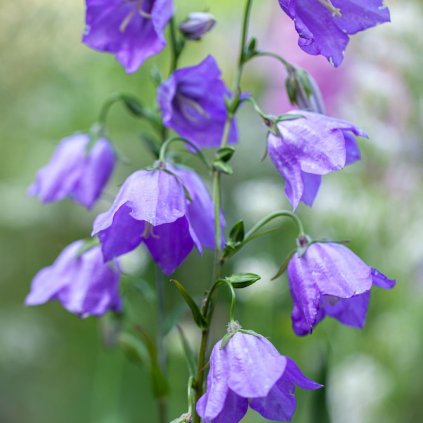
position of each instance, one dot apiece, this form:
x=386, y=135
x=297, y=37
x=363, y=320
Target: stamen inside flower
x=190, y=108
x=149, y=231
x=332, y=9
x=138, y=8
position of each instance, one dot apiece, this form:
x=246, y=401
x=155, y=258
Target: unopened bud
x=196, y=25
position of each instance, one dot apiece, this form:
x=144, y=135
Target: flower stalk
x=218, y=260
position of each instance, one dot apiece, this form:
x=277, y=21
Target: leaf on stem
x=242, y=280
x=196, y=313
x=284, y=265
x=237, y=233
x=159, y=382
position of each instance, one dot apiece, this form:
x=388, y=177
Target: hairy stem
x=218, y=261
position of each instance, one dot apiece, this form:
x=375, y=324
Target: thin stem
x=175, y=47
x=288, y=66
x=162, y=409
x=107, y=106
x=168, y=142
x=218, y=260
x=161, y=350
x=250, y=235
x=244, y=35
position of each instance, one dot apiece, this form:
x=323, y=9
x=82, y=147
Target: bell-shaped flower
x=169, y=210
x=249, y=371
x=132, y=30
x=330, y=280
x=192, y=103
x=324, y=26
x=75, y=170
x=307, y=148
x=81, y=281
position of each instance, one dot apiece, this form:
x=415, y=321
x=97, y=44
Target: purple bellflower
x=249, y=371
x=132, y=30
x=82, y=282
x=330, y=280
x=324, y=26
x=153, y=207
x=75, y=170
x=192, y=102
x=309, y=147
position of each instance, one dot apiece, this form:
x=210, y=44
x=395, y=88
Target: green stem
x=218, y=260
x=164, y=147
x=288, y=66
x=105, y=109
x=175, y=47
x=161, y=350
x=250, y=235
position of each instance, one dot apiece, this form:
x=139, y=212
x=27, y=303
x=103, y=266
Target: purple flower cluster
x=168, y=209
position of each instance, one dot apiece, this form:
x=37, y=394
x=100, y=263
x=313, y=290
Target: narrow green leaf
x=151, y=145
x=225, y=154
x=284, y=265
x=237, y=233
x=189, y=354
x=159, y=381
x=196, y=313
x=133, y=105
x=290, y=116
x=223, y=167
x=226, y=339
x=242, y=280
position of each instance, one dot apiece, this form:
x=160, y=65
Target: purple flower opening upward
x=330, y=280
x=75, y=171
x=192, y=102
x=152, y=207
x=324, y=26
x=309, y=147
x=83, y=284
x=250, y=371
x=132, y=30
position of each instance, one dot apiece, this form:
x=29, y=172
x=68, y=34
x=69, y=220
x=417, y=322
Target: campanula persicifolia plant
x=167, y=208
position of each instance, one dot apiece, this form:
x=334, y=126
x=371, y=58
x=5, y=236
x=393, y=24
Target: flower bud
x=196, y=25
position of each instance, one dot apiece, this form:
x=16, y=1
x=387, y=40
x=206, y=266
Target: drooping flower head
x=132, y=30
x=75, y=170
x=309, y=147
x=249, y=371
x=152, y=206
x=192, y=102
x=82, y=282
x=330, y=280
x=324, y=26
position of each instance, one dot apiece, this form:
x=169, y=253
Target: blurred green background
x=55, y=367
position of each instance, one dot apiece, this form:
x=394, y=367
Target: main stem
x=161, y=350
x=218, y=261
